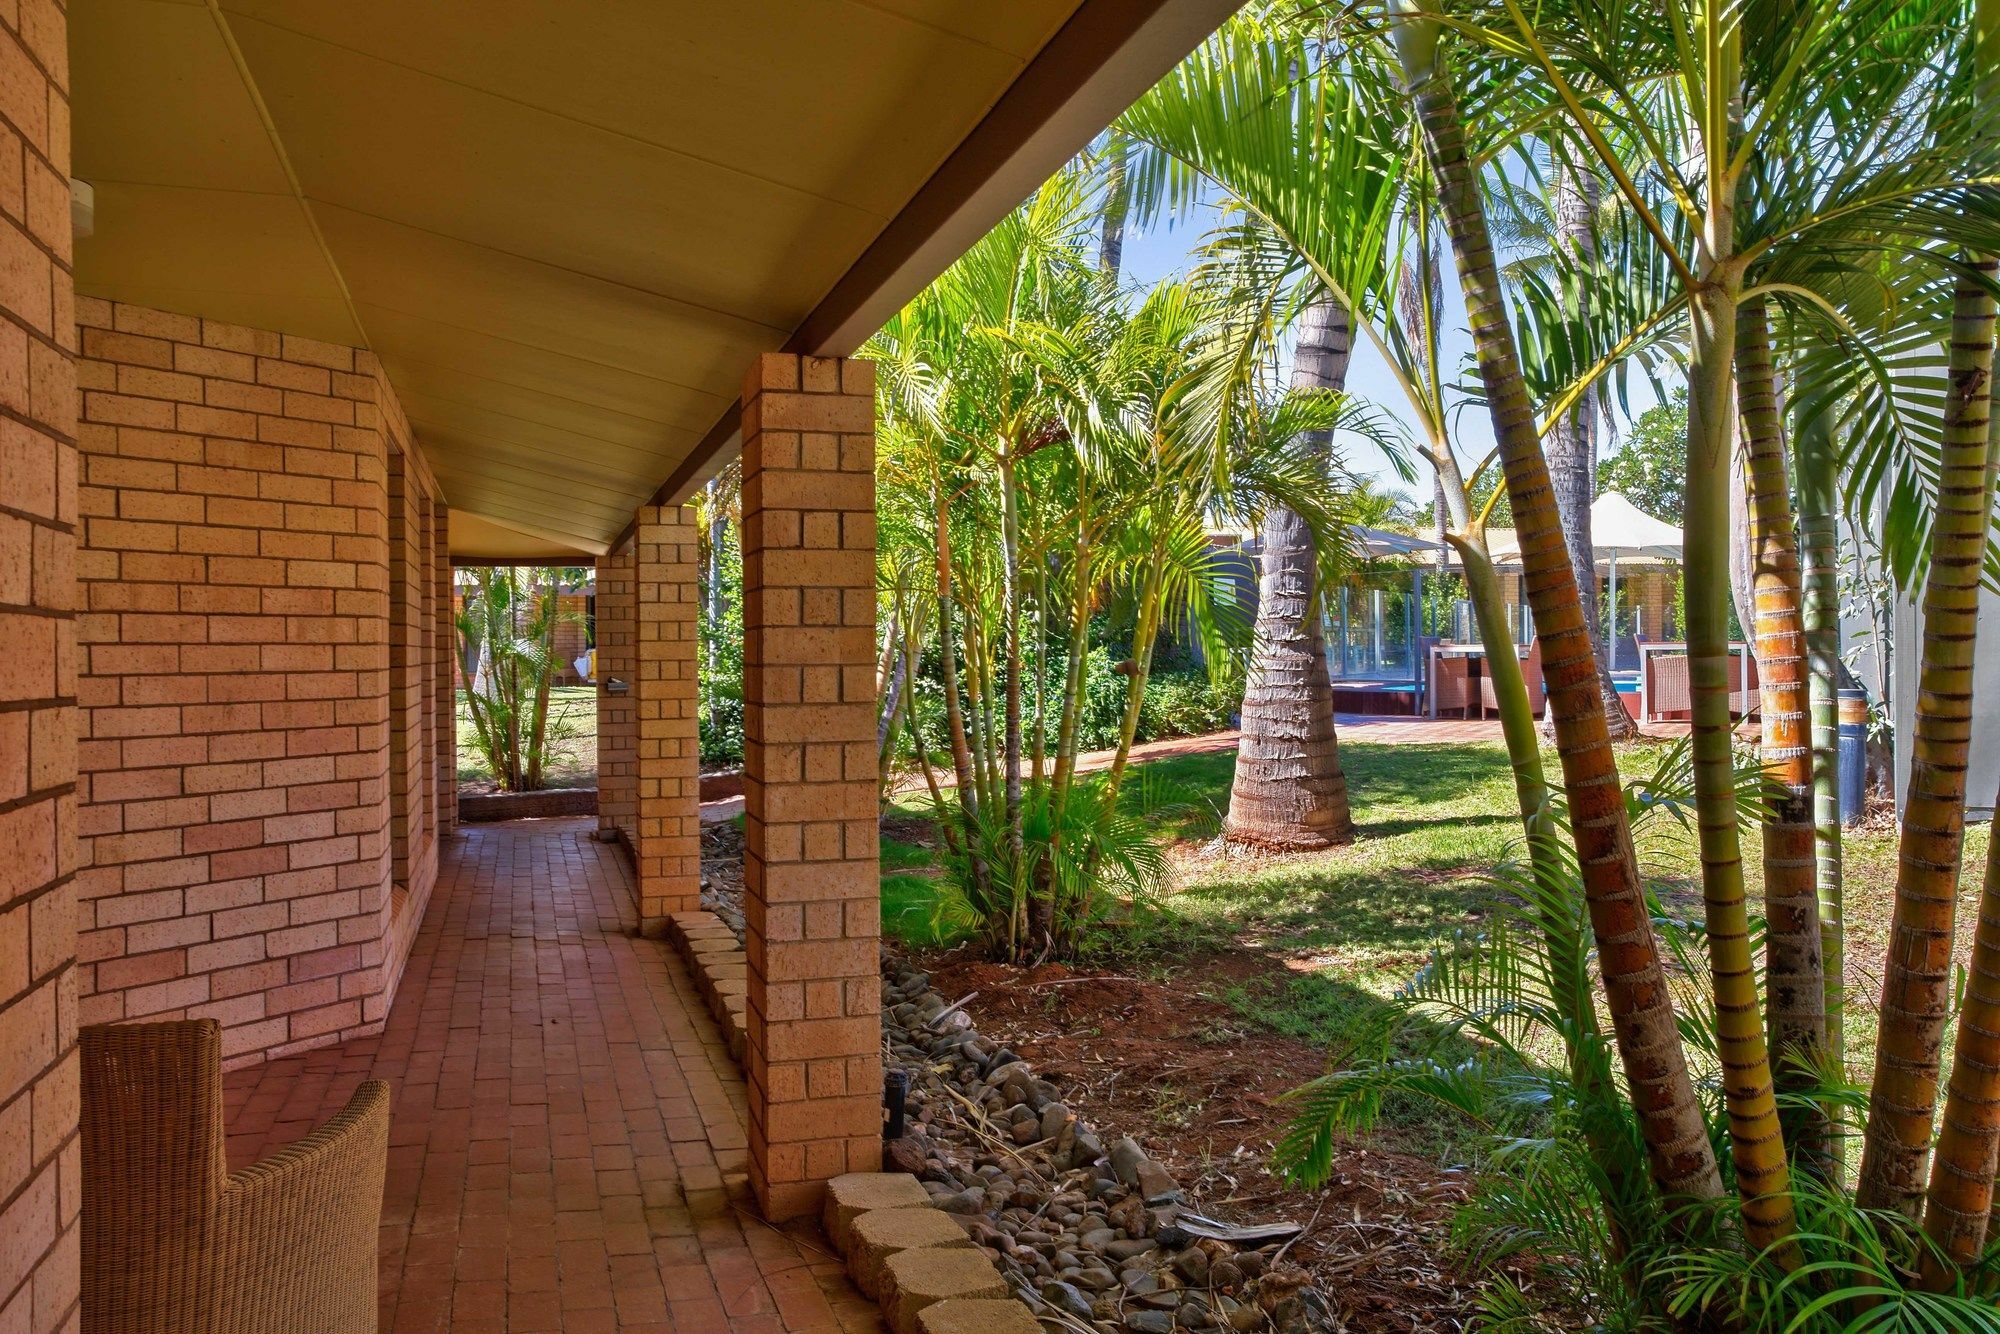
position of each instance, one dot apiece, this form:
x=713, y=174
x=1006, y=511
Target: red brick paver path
x=567, y=1151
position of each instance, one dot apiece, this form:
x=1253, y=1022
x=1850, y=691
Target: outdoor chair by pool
x=1450, y=683
x=174, y=1243
x=1531, y=669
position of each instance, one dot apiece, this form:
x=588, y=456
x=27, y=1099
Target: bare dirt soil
x=1201, y=1089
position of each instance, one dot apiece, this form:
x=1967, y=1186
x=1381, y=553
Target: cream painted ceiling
x=564, y=227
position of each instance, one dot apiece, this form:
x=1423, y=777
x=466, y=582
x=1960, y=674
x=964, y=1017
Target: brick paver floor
x=567, y=1150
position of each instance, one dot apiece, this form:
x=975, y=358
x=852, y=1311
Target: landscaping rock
x=1073, y=1227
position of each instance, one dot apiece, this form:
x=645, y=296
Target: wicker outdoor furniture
x=174, y=1243
x=1665, y=692
x=1531, y=672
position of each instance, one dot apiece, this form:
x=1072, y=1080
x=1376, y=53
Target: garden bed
x=544, y=804
x=1164, y=1060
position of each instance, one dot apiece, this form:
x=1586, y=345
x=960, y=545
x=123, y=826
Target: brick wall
x=617, y=735
x=811, y=879
x=413, y=830
x=444, y=677
x=236, y=833
x=38, y=1076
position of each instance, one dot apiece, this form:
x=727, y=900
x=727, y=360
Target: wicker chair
x=1531, y=672
x=173, y=1243
x=1450, y=685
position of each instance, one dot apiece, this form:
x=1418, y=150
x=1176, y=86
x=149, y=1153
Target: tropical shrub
x=507, y=645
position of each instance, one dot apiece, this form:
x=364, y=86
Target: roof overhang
x=565, y=236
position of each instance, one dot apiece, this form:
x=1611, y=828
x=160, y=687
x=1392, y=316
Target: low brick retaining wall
x=547, y=804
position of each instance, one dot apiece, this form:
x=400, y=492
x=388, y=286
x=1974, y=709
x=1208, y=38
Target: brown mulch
x=1200, y=1087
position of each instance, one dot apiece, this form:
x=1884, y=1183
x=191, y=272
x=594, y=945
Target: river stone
x=1149, y=1322
x=1155, y=1186
x=1065, y=1298
x=1096, y=1277
x=1126, y=1155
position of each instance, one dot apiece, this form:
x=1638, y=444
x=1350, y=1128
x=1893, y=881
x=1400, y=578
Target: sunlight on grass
x=1354, y=923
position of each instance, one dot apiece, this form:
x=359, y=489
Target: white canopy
x=1619, y=531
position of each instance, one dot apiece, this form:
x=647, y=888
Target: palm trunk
x=1757, y=1145
x=1795, y=974
x=718, y=605
x=1957, y=1215
x=1641, y=1003
x=1145, y=631
x=1571, y=447
x=1916, y=984
x=1117, y=206
x=1289, y=790
x=954, y=715
x=1817, y=540
x=1010, y=551
x=1079, y=646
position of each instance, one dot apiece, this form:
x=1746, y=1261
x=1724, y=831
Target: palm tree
x=1289, y=791
x=1642, y=1009
x=1252, y=83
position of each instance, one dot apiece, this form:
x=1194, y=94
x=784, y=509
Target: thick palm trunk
x=1571, y=449
x=1641, y=1004
x=1795, y=976
x=1916, y=983
x=1289, y=790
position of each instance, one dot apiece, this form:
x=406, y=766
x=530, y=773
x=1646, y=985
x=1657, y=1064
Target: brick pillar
x=38, y=751
x=617, y=632
x=667, y=848
x=446, y=648
x=812, y=885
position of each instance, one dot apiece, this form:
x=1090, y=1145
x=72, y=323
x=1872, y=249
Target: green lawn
x=572, y=754
x=1353, y=923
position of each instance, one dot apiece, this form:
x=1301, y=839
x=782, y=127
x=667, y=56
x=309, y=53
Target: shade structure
x=1380, y=543
x=1619, y=529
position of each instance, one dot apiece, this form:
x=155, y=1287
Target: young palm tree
x=1680, y=1158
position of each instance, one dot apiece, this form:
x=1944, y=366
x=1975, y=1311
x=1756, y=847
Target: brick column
x=812, y=885
x=38, y=750
x=667, y=848
x=445, y=647
x=617, y=632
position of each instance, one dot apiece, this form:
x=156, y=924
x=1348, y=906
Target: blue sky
x=1167, y=249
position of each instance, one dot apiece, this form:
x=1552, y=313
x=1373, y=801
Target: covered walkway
x=568, y=1148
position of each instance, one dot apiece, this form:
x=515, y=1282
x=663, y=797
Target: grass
x=572, y=754
x=1353, y=923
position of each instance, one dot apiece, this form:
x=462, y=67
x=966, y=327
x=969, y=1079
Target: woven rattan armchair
x=173, y=1243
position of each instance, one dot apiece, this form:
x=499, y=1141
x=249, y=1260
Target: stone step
x=975, y=1315
x=857, y=1193
x=914, y=1280
x=881, y=1233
